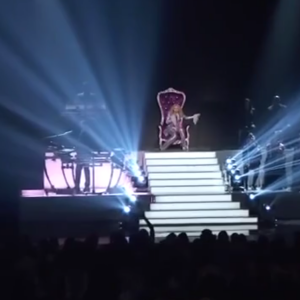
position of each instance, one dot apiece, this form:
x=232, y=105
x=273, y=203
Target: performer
x=174, y=126
x=83, y=160
x=247, y=121
x=277, y=106
x=249, y=114
x=275, y=162
x=252, y=160
x=277, y=124
x=277, y=112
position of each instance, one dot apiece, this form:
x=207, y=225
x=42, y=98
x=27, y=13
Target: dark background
x=213, y=50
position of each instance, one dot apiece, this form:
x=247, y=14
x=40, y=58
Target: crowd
x=210, y=267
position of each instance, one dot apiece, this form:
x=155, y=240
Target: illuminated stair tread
x=185, y=182
x=194, y=206
x=222, y=197
x=198, y=221
x=182, y=162
x=215, y=213
x=189, y=175
x=190, y=195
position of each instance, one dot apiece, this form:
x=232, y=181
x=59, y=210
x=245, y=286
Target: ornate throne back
x=166, y=99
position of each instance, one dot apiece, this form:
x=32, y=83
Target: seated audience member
x=207, y=267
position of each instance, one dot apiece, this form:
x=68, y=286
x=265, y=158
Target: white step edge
x=194, y=198
x=182, y=169
x=198, y=221
x=182, y=162
x=201, y=228
x=196, y=175
x=188, y=190
x=170, y=155
x=225, y=213
x=185, y=182
x=194, y=206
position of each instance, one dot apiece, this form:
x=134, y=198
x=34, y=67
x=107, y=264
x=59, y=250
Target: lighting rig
x=233, y=176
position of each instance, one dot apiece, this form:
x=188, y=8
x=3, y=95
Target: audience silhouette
x=209, y=267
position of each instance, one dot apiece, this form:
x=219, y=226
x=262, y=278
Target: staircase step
x=194, y=206
x=183, y=169
x=190, y=196
x=217, y=213
x=188, y=190
x=198, y=221
x=182, y=162
x=199, y=175
x=185, y=182
x=170, y=155
x=194, y=198
x=199, y=229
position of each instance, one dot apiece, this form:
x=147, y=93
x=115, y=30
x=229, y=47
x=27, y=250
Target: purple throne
x=166, y=99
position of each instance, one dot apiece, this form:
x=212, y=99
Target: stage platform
x=279, y=205
x=78, y=216
x=186, y=193
x=74, y=216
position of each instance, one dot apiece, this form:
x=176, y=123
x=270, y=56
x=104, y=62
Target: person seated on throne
x=174, y=128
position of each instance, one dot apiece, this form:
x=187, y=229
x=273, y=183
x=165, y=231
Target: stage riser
x=189, y=189
x=225, y=213
x=183, y=169
x=179, y=155
x=89, y=208
x=194, y=206
x=202, y=221
x=185, y=182
x=193, y=198
x=199, y=229
x=182, y=162
x=199, y=175
x=186, y=190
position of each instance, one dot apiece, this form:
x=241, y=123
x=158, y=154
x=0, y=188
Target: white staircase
x=190, y=196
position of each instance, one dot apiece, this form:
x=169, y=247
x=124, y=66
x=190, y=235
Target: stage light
x=132, y=198
x=268, y=207
x=134, y=168
x=229, y=167
x=141, y=179
x=228, y=161
x=126, y=209
x=251, y=196
x=237, y=177
x=137, y=169
x=235, y=180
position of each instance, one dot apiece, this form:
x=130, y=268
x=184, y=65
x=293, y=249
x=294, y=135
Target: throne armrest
x=160, y=134
x=187, y=135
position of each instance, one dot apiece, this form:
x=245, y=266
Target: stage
x=186, y=192
x=77, y=216
x=62, y=216
x=277, y=205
